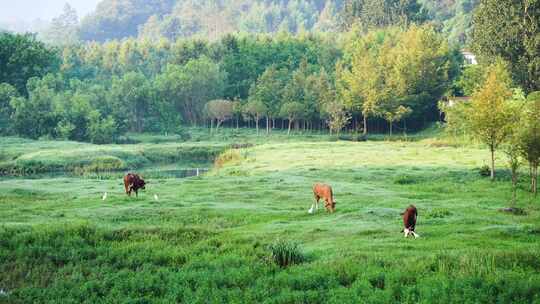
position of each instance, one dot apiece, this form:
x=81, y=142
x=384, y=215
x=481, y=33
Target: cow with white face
x=409, y=221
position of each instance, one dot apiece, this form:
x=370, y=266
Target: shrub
x=353, y=137
x=104, y=163
x=285, y=253
x=183, y=133
x=101, y=130
x=438, y=213
x=126, y=140
x=227, y=157
x=484, y=171
x=241, y=145
x=406, y=180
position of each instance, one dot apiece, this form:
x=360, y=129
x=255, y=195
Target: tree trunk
x=514, y=188
x=531, y=176
x=492, y=149
x=211, y=124
x=405, y=127
x=535, y=179
x=267, y=125
x=257, y=124
x=390, y=122
x=289, y=130
x=365, y=125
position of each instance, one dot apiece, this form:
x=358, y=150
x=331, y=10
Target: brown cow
x=409, y=221
x=325, y=192
x=133, y=182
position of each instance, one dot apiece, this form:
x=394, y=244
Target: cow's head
x=331, y=206
x=142, y=184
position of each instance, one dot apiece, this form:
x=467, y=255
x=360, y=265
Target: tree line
x=310, y=81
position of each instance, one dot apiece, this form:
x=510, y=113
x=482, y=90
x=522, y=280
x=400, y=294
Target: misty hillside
x=172, y=19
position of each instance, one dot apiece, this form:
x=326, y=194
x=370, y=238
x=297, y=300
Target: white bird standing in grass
x=156, y=197
x=104, y=196
x=310, y=211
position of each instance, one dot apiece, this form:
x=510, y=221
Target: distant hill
x=23, y=26
x=172, y=19
x=211, y=18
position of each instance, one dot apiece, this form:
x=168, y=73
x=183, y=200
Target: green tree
x=220, y=110
x=489, y=116
x=101, y=130
x=268, y=90
x=191, y=86
x=292, y=111
x=364, y=85
x=394, y=113
x=35, y=116
x=416, y=69
x=23, y=57
x=338, y=117
x=255, y=109
x=7, y=92
x=510, y=29
x=63, y=29
x=529, y=137
x=73, y=111
x=381, y=13
x=469, y=80
x=512, y=146
x=130, y=96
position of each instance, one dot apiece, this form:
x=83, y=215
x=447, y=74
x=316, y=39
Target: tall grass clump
x=286, y=253
x=227, y=157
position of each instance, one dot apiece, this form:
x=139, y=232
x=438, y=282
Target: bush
x=438, y=213
x=126, y=140
x=286, y=253
x=406, y=180
x=353, y=137
x=104, y=163
x=485, y=170
x=183, y=133
x=101, y=130
x=182, y=153
x=227, y=157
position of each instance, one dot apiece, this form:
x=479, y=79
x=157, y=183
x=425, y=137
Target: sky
x=30, y=10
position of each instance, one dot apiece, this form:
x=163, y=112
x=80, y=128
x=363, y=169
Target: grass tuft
x=286, y=253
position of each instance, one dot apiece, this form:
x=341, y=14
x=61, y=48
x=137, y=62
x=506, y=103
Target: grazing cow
x=325, y=192
x=409, y=221
x=133, y=182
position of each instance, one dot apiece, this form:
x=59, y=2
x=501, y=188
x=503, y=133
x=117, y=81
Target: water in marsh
x=147, y=172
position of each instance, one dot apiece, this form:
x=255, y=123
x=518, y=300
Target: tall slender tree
x=489, y=115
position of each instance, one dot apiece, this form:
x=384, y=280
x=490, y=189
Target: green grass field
x=206, y=240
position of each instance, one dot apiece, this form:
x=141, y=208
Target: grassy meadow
x=207, y=239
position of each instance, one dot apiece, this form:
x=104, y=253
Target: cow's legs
x=406, y=232
x=317, y=198
x=128, y=189
x=415, y=234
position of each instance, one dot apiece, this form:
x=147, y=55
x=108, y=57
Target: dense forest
x=212, y=19
x=156, y=66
